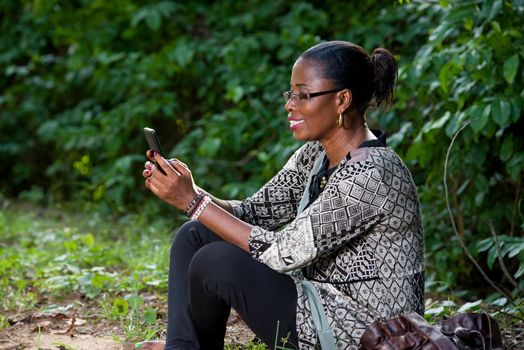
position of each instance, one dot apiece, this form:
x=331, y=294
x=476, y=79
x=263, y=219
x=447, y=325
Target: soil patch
x=65, y=329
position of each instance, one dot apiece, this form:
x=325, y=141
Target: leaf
x=491, y=8
x=153, y=19
x=182, y=52
x=479, y=198
x=485, y=244
x=510, y=68
x=520, y=271
x=492, y=256
x=515, y=249
x=501, y=112
x=437, y=311
x=515, y=107
x=150, y=315
x=499, y=302
x=99, y=281
x=471, y=306
x=437, y=124
x=89, y=240
x=506, y=150
x=135, y=301
x=210, y=147
x=235, y=93
x=479, y=118
x=440, y=33
x=448, y=73
x=515, y=165
x=120, y=307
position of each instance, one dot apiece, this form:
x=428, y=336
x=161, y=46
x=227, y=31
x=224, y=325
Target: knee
x=216, y=261
x=186, y=234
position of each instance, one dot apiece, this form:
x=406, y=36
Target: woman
x=339, y=224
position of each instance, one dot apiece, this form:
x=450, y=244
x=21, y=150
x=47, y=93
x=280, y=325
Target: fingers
x=179, y=166
x=148, y=171
x=152, y=186
x=161, y=160
x=150, y=154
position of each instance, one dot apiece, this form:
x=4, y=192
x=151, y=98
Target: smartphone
x=154, y=144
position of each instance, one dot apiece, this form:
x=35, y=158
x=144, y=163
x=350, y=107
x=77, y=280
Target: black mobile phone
x=154, y=144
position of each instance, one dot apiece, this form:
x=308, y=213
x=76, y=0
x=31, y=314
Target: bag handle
x=324, y=331
x=429, y=332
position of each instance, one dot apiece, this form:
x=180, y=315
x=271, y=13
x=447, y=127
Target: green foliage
x=79, y=80
x=509, y=248
x=47, y=257
x=467, y=72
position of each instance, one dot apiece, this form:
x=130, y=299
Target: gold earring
x=340, y=120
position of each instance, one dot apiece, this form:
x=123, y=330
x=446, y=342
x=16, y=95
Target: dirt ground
x=68, y=331
x=66, y=328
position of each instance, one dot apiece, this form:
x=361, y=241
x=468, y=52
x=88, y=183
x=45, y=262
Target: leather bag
x=466, y=331
x=472, y=331
x=408, y=331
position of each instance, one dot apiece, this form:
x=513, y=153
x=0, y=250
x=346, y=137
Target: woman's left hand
x=177, y=187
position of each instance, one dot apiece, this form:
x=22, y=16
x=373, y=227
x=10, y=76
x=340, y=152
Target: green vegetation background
x=80, y=79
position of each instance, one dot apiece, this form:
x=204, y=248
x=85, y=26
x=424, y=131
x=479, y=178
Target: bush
x=80, y=80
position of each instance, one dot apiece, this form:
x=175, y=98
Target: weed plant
x=48, y=256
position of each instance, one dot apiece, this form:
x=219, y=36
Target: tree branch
x=454, y=226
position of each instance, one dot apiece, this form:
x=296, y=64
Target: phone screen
x=154, y=144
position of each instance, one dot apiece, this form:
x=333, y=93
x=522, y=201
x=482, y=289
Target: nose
x=290, y=105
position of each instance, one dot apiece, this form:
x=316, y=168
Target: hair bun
x=386, y=74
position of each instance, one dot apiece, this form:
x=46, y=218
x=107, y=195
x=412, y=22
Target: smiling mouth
x=295, y=122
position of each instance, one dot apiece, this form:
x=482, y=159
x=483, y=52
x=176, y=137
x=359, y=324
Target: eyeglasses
x=301, y=96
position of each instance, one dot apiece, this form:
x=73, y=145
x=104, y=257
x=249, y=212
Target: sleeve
x=276, y=203
x=354, y=200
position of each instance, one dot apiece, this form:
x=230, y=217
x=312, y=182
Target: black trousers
x=208, y=276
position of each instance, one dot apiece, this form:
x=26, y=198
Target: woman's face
x=314, y=118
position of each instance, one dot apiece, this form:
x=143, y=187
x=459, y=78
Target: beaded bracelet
x=200, y=208
x=194, y=203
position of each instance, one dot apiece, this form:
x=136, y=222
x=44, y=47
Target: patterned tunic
x=362, y=238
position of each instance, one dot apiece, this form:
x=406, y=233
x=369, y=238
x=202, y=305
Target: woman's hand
x=176, y=187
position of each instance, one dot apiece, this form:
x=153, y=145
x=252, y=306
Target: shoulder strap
x=316, y=167
x=324, y=332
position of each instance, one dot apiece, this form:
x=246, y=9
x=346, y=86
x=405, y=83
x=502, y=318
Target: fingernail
x=155, y=153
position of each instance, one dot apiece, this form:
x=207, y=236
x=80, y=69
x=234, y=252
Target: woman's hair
x=370, y=78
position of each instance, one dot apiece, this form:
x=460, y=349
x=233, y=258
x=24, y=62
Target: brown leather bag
x=408, y=331
x=466, y=331
x=472, y=331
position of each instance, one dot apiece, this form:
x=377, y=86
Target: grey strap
x=305, y=197
x=324, y=332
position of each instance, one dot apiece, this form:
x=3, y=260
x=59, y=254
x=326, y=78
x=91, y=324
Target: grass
x=46, y=254
x=110, y=268
x=119, y=266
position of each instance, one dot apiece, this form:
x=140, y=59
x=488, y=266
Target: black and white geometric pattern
x=362, y=238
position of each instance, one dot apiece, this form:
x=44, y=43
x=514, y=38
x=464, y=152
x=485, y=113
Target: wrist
x=193, y=204
x=200, y=207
